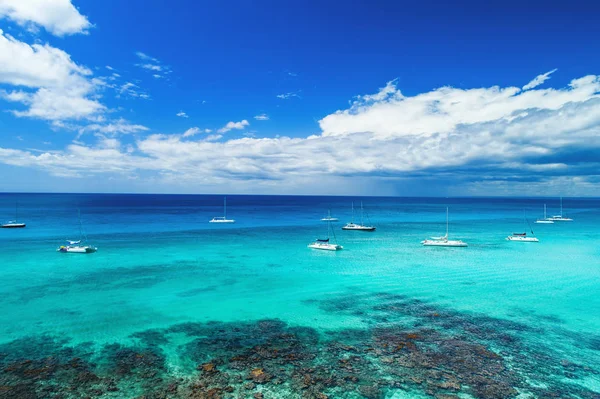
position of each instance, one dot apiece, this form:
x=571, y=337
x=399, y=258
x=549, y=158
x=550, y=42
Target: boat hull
x=77, y=250
x=325, y=247
x=560, y=219
x=522, y=239
x=359, y=228
x=329, y=220
x=13, y=225
x=438, y=243
x=544, y=222
x=222, y=221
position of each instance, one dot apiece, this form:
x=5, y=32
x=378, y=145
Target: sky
x=311, y=97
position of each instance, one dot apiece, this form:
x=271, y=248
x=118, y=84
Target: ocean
x=171, y=306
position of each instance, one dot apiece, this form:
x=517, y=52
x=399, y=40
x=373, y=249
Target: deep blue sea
x=171, y=306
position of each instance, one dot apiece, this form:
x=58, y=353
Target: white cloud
x=262, y=117
x=538, y=80
x=234, y=125
x=57, y=88
x=129, y=89
x=182, y=114
x=286, y=96
x=119, y=126
x=110, y=68
x=157, y=76
x=194, y=131
x=145, y=57
x=58, y=17
x=151, y=67
x=477, y=139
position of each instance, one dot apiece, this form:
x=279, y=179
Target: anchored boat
x=14, y=224
x=361, y=226
x=222, y=219
x=443, y=241
x=78, y=246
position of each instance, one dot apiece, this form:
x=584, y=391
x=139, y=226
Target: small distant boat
x=545, y=220
x=325, y=244
x=78, y=246
x=522, y=237
x=14, y=224
x=329, y=218
x=356, y=226
x=222, y=219
x=560, y=218
x=443, y=241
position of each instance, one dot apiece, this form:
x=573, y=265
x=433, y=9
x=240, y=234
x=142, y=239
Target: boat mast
x=544, y=211
x=561, y=212
x=446, y=223
x=352, y=221
x=362, y=222
x=16, y=212
x=225, y=207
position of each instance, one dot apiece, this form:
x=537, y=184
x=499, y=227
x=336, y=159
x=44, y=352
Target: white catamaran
x=326, y=244
x=443, y=241
x=560, y=218
x=222, y=219
x=14, y=224
x=361, y=226
x=545, y=220
x=522, y=237
x=78, y=246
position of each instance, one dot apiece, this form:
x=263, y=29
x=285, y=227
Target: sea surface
x=174, y=307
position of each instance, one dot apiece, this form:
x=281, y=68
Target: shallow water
x=167, y=292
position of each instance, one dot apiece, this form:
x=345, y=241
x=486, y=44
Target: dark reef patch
x=410, y=346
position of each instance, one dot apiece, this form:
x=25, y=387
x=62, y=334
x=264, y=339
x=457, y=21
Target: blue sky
x=389, y=98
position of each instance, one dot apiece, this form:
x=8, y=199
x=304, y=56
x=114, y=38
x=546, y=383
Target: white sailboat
x=329, y=218
x=522, y=237
x=560, y=218
x=78, y=246
x=326, y=244
x=443, y=241
x=14, y=224
x=545, y=220
x=222, y=219
x=361, y=226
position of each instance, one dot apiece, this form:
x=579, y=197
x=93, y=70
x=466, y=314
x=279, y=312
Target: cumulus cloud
x=538, y=80
x=182, y=114
x=58, y=17
x=119, y=126
x=494, y=139
x=234, y=125
x=262, y=117
x=153, y=65
x=55, y=87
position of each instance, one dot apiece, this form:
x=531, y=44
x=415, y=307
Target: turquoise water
x=166, y=285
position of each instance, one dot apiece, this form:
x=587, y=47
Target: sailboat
x=329, y=218
x=443, y=241
x=361, y=226
x=14, y=224
x=222, y=219
x=78, y=246
x=326, y=244
x=560, y=218
x=522, y=237
x=545, y=220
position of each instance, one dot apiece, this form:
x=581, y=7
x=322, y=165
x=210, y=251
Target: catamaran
x=361, y=226
x=443, y=241
x=78, y=246
x=325, y=243
x=545, y=220
x=560, y=218
x=14, y=224
x=522, y=237
x=329, y=218
x=222, y=219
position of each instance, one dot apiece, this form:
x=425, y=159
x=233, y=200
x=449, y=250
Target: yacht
x=325, y=243
x=14, y=224
x=222, y=219
x=443, y=241
x=361, y=226
x=329, y=218
x=560, y=218
x=522, y=237
x=545, y=220
x=78, y=246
